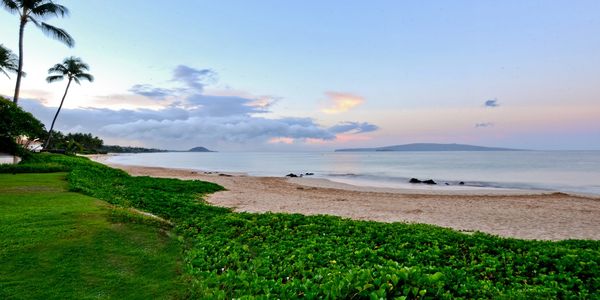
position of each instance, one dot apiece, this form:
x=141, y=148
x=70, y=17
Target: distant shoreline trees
x=84, y=143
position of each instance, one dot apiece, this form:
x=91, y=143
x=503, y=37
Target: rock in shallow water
x=414, y=180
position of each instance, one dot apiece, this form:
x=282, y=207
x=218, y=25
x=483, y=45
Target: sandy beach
x=508, y=213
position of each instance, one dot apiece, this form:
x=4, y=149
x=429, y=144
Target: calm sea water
x=567, y=171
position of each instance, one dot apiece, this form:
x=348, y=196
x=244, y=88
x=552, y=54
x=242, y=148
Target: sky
x=320, y=75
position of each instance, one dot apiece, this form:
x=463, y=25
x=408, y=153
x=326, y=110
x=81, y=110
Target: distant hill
x=428, y=147
x=199, y=149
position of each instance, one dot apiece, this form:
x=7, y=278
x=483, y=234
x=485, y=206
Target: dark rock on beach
x=428, y=181
x=414, y=180
x=291, y=175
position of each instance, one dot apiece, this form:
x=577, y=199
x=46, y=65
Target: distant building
x=31, y=145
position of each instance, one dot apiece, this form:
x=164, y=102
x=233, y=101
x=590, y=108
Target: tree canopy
x=15, y=122
x=84, y=143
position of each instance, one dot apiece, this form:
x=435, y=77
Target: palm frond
x=54, y=78
x=3, y=72
x=34, y=21
x=8, y=60
x=73, y=68
x=59, y=69
x=83, y=66
x=55, y=32
x=50, y=8
x=71, y=62
x=10, y=5
x=85, y=76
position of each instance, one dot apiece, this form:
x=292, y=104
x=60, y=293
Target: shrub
x=15, y=122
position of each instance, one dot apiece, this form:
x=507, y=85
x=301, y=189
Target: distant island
x=199, y=149
x=427, y=147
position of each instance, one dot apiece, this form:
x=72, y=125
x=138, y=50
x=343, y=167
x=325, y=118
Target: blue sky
x=284, y=75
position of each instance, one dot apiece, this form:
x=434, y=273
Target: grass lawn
x=60, y=244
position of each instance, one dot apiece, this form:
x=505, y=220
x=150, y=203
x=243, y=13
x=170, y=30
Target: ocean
x=565, y=171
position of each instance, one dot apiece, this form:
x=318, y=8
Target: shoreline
x=509, y=213
x=319, y=181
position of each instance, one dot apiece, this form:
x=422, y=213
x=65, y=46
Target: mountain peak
x=199, y=149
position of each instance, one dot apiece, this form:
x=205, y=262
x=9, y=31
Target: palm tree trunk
x=56, y=115
x=20, y=67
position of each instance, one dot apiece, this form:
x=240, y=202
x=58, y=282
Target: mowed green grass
x=59, y=244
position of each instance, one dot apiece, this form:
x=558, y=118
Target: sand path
x=554, y=216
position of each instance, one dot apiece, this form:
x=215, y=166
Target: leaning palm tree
x=34, y=11
x=8, y=61
x=73, y=68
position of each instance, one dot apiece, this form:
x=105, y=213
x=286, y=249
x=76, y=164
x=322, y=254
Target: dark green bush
x=33, y=168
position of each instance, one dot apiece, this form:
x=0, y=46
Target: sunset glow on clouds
x=254, y=75
x=184, y=115
x=282, y=140
x=341, y=102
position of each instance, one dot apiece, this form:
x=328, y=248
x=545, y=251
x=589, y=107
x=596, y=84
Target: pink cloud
x=341, y=102
x=281, y=140
x=343, y=138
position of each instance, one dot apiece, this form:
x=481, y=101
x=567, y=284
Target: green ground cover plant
x=242, y=255
x=62, y=245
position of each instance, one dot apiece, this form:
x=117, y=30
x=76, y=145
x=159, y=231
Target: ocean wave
x=399, y=181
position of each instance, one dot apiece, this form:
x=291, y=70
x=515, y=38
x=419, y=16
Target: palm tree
x=74, y=69
x=8, y=61
x=34, y=11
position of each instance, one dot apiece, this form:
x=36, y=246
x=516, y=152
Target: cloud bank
x=353, y=127
x=149, y=91
x=195, y=79
x=192, y=118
